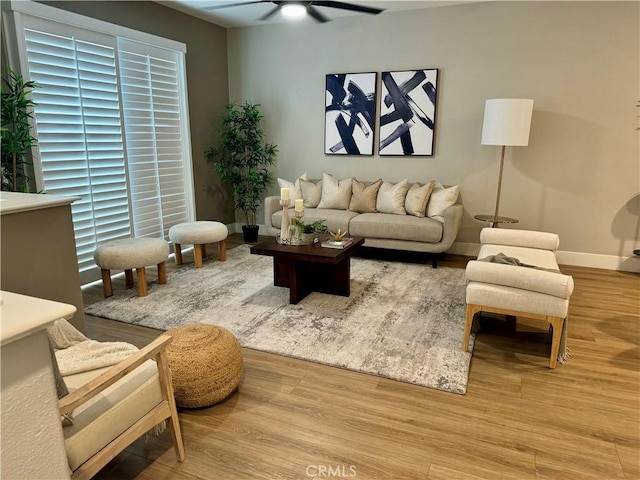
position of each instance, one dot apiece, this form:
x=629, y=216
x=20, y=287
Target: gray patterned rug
x=402, y=321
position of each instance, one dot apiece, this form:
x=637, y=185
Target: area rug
x=402, y=321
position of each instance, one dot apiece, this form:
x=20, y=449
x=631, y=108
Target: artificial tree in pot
x=242, y=159
x=17, y=109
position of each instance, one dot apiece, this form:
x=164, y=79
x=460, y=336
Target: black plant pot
x=250, y=233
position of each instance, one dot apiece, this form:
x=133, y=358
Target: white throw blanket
x=76, y=353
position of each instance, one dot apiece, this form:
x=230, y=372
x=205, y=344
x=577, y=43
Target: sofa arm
x=525, y=278
x=520, y=238
x=452, y=223
x=271, y=206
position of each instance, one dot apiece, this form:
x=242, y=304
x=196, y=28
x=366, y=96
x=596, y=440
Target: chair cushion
x=516, y=299
x=111, y=412
x=398, y=227
x=530, y=256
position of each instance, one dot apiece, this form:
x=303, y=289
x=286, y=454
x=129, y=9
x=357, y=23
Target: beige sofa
x=381, y=230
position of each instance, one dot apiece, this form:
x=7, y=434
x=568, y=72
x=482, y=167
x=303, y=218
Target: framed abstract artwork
x=408, y=112
x=349, y=114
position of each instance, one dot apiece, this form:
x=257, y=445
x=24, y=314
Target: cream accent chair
x=114, y=406
x=516, y=290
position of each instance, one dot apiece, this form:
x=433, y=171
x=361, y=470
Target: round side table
x=494, y=221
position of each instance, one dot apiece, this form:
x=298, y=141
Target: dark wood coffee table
x=310, y=268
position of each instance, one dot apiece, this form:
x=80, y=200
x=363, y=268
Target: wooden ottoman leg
x=106, y=282
x=222, y=248
x=142, y=282
x=197, y=254
x=468, y=323
x=128, y=275
x=204, y=251
x=178, y=253
x=162, y=273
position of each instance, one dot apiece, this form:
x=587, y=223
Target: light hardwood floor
x=293, y=419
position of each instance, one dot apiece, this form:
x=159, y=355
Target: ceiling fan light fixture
x=294, y=10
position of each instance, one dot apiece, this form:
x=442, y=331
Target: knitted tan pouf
x=205, y=362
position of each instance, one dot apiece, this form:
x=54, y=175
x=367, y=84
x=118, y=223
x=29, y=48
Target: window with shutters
x=112, y=127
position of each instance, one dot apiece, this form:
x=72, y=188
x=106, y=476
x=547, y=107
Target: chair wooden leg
x=128, y=275
x=106, y=282
x=162, y=273
x=177, y=250
x=164, y=374
x=222, y=249
x=142, y=282
x=197, y=254
x=557, y=324
x=470, y=312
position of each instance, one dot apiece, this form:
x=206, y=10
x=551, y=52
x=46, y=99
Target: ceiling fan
x=304, y=7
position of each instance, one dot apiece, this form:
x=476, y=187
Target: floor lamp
x=507, y=122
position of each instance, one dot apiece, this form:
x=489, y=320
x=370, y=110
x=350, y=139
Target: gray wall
x=579, y=61
x=207, y=82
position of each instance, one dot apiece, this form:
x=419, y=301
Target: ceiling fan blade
x=313, y=12
x=348, y=6
x=227, y=5
x=270, y=13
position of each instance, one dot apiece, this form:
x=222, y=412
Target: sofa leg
x=557, y=324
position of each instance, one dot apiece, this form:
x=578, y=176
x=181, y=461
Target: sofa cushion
x=294, y=187
x=333, y=219
x=391, y=197
x=441, y=199
x=311, y=193
x=417, y=198
x=391, y=226
x=363, y=198
x=335, y=193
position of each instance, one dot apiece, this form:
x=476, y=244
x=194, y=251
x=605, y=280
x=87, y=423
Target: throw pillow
x=311, y=193
x=391, y=197
x=295, y=191
x=363, y=198
x=335, y=194
x=418, y=197
x=441, y=199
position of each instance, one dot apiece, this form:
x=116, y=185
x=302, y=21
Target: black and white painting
x=350, y=103
x=408, y=112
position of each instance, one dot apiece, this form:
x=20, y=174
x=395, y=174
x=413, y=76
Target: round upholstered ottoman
x=205, y=362
x=127, y=254
x=199, y=234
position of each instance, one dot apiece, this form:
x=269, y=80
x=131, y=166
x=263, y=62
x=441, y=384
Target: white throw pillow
x=335, y=194
x=441, y=199
x=295, y=192
x=418, y=197
x=391, y=197
x=311, y=193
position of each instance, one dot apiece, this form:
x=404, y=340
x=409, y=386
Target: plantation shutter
x=149, y=78
x=77, y=116
x=112, y=125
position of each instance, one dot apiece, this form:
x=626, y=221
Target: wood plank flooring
x=292, y=419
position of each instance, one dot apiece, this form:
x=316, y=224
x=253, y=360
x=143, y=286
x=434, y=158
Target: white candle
x=299, y=205
x=284, y=194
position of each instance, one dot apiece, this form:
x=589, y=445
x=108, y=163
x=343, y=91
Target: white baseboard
x=578, y=259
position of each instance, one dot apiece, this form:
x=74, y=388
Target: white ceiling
x=247, y=15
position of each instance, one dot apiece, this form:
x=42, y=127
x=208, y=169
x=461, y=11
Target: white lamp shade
x=507, y=121
x=294, y=10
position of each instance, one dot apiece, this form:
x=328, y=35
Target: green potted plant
x=15, y=131
x=242, y=159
